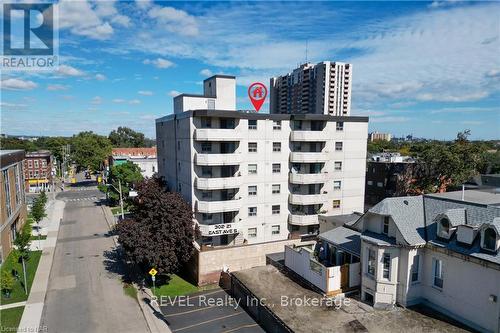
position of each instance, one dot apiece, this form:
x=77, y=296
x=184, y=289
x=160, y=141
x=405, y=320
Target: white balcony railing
x=218, y=159
x=307, y=199
x=301, y=157
x=217, y=134
x=308, y=178
x=302, y=220
x=217, y=183
x=309, y=136
x=211, y=207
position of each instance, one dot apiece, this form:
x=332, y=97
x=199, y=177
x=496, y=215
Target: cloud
x=149, y=117
x=173, y=93
x=57, y=87
x=100, y=77
x=471, y=122
x=159, y=63
x=494, y=73
x=69, y=71
x=465, y=110
x=145, y=92
x=134, y=101
x=119, y=100
x=446, y=3
x=448, y=97
x=174, y=20
x=389, y=119
x=12, y=106
x=96, y=100
x=83, y=19
x=206, y=72
x=18, y=84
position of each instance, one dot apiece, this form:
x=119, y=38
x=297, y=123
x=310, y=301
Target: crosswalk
x=82, y=199
x=76, y=189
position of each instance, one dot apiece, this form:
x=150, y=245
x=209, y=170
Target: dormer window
x=489, y=239
x=443, y=230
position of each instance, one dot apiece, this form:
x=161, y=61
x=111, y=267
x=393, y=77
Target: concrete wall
x=208, y=264
x=299, y=260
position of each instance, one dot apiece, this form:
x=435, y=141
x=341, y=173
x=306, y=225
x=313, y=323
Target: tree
x=125, y=137
x=89, y=150
x=128, y=174
x=160, y=233
x=7, y=282
x=38, y=209
x=54, y=144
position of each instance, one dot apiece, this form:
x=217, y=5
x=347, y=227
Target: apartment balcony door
x=344, y=276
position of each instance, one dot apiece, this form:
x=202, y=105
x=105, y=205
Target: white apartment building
x=324, y=88
x=377, y=136
x=254, y=178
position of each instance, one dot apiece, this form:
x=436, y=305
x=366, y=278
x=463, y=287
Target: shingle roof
x=345, y=238
x=408, y=215
x=456, y=216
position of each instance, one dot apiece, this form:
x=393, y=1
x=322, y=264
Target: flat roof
x=345, y=238
x=10, y=156
x=254, y=115
x=471, y=196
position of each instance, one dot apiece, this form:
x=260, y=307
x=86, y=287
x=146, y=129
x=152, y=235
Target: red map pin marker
x=257, y=93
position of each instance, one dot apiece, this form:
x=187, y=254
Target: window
x=339, y=146
x=153, y=169
x=370, y=182
x=380, y=184
x=252, y=190
x=438, y=273
x=337, y=184
x=206, y=147
x=206, y=122
x=252, y=211
x=297, y=124
x=252, y=147
x=276, y=146
x=206, y=217
x=6, y=184
x=178, y=145
x=252, y=232
x=252, y=125
x=276, y=209
x=338, y=166
x=386, y=262
x=371, y=262
x=277, y=125
x=489, y=239
x=340, y=126
x=385, y=229
x=252, y=169
x=275, y=229
x=30, y=164
x=276, y=168
x=36, y=173
x=44, y=163
x=206, y=195
x=414, y=268
x=36, y=163
x=276, y=188
x=163, y=143
x=211, y=104
x=336, y=203
x=30, y=174
x=206, y=172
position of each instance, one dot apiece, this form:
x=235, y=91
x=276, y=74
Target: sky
x=430, y=69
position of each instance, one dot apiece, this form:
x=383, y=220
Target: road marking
x=207, y=321
x=190, y=311
x=240, y=327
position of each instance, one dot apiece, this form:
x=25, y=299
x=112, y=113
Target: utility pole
x=121, y=197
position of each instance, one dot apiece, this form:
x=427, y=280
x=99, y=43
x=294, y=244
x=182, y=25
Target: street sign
x=152, y=272
x=153, y=278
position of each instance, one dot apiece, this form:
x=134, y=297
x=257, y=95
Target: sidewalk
x=32, y=314
x=12, y=305
x=37, y=245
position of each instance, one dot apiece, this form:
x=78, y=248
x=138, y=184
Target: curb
x=107, y=213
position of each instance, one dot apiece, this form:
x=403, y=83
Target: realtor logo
x=29, y=36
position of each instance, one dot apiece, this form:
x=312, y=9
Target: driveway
x=207, y=312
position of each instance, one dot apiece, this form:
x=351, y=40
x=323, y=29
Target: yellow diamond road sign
x=152, y=272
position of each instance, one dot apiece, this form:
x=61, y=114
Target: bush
x=6, y=283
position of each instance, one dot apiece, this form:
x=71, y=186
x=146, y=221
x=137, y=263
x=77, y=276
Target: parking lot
x=209, y=311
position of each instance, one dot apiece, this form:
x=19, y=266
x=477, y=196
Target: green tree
x=54, y=144
x=14, y=143
x=7, y=282
x=128, y=174
x=125, y=137
x=89, y=150
x=38, y=209
x=160, y=233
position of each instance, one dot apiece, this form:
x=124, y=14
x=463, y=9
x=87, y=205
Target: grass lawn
x=10, y=319
x=130, y=290
x=177, y=286
x=35, y=237
x=17, y=294
x=118, y=210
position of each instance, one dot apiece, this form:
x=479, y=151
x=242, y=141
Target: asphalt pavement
x=85, y=293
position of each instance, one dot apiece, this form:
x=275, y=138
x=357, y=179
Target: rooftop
x=345, y=238
x=138, y=152
x=472, y=196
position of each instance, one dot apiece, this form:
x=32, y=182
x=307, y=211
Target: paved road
x=85, y=293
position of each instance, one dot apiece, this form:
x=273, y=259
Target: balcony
x=307, y=199
x=308, y=178
x=309, y=136
x=211, y=207
x=303, y=220
x=217, y=134
x=218, y=159
x=217, y=183
x=218, y=229
x=300, y=157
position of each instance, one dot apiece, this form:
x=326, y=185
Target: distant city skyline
x=430, y=69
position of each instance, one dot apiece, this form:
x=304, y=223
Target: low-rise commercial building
x=39, y=171
x=12, y=199
x=144, y=158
